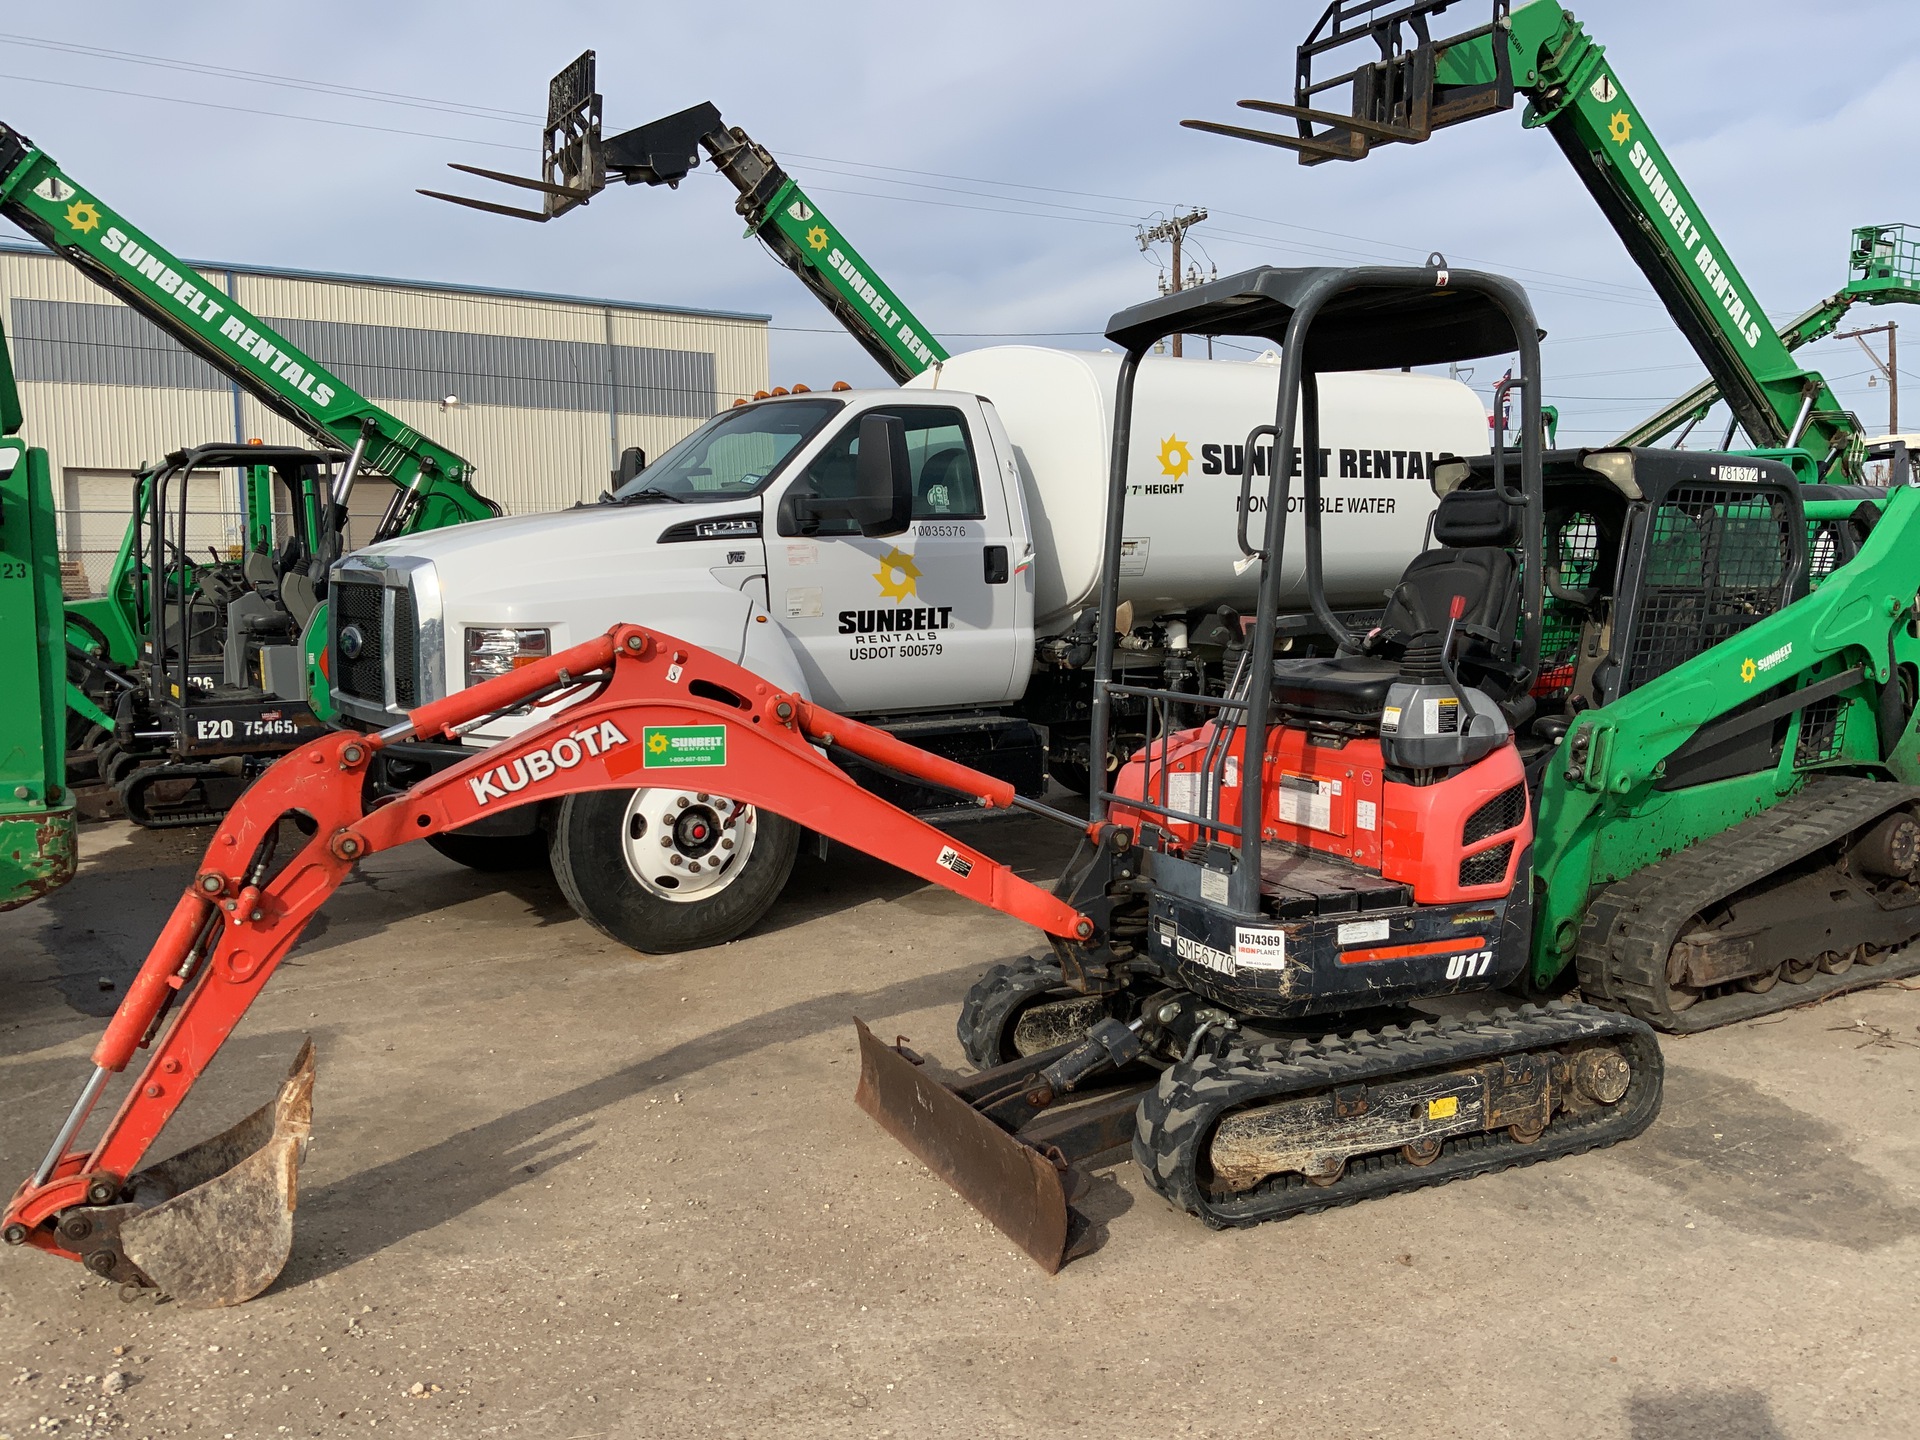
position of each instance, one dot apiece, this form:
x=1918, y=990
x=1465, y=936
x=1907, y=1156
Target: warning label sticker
x=1308, y=802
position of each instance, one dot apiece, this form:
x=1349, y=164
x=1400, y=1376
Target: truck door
x=924, y=620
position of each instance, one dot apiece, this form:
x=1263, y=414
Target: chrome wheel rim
x=686, y=845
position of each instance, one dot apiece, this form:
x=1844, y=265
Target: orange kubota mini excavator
x=1203, y=928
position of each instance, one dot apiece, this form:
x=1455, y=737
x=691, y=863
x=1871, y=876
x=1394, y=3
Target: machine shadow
x=362, y=1214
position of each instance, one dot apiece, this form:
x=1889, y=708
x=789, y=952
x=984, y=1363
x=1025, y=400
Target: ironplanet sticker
x=669, y=747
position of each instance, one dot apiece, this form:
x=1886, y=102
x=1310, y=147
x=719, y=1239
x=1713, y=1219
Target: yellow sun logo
x=81, y=215
x=897, y=562
x=1620, y=127
x=817, y=238
x=1175, y=458
x=657, y=743
x=1748, y=670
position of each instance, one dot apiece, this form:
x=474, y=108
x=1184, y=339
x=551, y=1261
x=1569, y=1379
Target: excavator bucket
x=216, y=1223
x=1023, y=1192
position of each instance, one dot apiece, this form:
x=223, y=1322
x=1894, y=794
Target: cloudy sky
x=991, y=159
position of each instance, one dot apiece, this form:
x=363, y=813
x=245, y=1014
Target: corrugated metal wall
x=548, y=390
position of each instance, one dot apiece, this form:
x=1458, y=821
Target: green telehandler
x=1410, y=84
x=576, y=162
x=37, y=837
x=177, y=701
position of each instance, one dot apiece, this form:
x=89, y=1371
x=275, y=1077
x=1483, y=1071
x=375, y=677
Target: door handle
x=996, y=564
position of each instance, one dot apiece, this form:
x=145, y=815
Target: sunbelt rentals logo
x=898, y=576
x=669, y=747
x=1750, y=668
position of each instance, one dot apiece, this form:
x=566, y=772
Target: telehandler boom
x=1409, y=84
x=576, y=164
x=112, y=636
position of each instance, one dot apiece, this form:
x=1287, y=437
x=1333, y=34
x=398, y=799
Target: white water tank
x=1379, y=434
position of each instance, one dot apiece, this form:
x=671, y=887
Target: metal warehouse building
x=540, y=392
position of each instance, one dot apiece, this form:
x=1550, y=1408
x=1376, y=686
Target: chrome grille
x=406, y=684
x=395, y=602
x=364, y=677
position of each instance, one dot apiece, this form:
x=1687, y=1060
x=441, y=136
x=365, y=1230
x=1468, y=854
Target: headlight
x=493, y=651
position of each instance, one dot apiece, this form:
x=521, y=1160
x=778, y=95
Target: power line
x=324, y=87
x=249, y=110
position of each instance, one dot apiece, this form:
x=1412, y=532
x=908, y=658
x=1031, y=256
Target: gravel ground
x=560, y=1189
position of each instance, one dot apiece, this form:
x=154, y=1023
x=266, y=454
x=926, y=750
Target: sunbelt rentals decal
x=1179, y=460
x=829, y=252
x=1751, y=668
x=1662, y=197
x=158, y=277
x=673, y=747
x=909, y=631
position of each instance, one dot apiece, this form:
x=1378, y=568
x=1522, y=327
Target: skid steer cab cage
x=637, y=704
x=1323, y=319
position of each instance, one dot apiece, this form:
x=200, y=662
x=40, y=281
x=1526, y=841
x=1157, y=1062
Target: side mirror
x=882, y=500
x=632, y=461
x=882, y=478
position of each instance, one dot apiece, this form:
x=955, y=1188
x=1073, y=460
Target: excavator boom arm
x=640, y=702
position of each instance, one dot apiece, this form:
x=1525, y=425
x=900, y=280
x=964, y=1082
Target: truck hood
x=588, y=535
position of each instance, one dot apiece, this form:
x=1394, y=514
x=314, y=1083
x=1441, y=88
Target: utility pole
x=1890, y=367
x=1174, y=231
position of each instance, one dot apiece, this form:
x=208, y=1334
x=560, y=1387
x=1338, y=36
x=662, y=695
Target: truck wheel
x=494, y=854
x=664, y=870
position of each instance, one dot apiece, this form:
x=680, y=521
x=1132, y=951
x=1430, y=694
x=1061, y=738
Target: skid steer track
x=1176, y=1144
x=1632, y=926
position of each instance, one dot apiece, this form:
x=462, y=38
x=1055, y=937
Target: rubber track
x=133, y=791
x=992, y=1001
x=1631, y=926
x=1176, y=1118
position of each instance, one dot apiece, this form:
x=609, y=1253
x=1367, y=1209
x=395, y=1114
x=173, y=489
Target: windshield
x=733, y=453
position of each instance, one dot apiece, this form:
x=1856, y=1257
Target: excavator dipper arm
x=213, y=1224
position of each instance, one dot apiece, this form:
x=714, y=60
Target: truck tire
x=494, y=854
x=659, y=898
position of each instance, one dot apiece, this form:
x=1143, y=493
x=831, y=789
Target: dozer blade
x=1020, y=1190
x=220, y=1223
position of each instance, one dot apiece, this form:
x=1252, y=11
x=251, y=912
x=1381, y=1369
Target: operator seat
x=262, y=574
x=1471, y=561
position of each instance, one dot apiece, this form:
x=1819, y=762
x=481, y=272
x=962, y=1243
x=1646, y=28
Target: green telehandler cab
x=221, y=687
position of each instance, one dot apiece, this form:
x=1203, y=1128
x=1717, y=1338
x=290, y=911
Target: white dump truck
x=925, y=558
